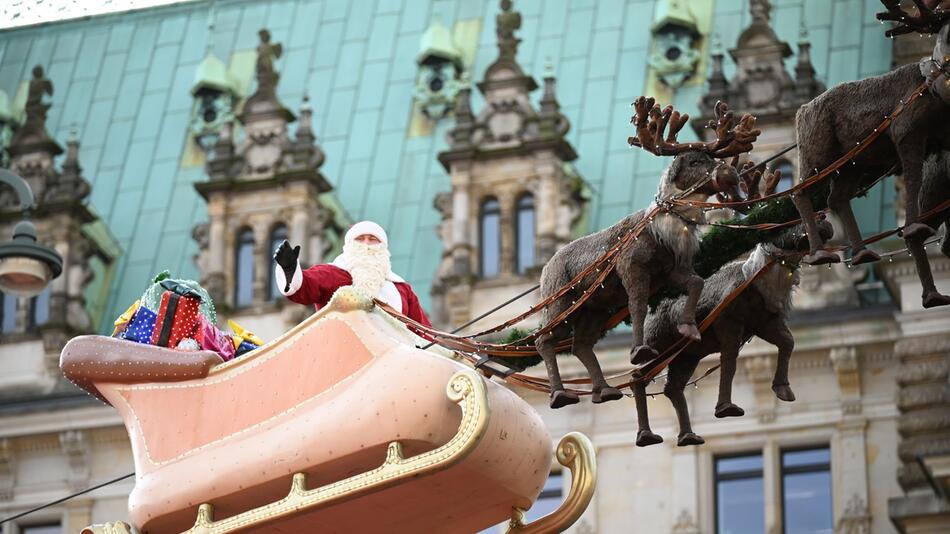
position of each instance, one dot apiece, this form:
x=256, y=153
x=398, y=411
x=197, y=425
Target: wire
x=489, y=312
x=66, y=498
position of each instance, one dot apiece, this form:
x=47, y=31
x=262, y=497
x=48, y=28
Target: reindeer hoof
x=821, y=257
x=606, y=394
x=689, y=438
x=864, y=256
x=784, y=392
x=645, y=438
x=917, y=231
x=561, y=398
x=932, y=299
x=728, y=409
x=642, y=354
x=689, y=330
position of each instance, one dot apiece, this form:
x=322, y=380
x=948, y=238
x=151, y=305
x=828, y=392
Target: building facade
x=205, y=133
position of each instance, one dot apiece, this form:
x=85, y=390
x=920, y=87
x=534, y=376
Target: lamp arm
x=22, y=188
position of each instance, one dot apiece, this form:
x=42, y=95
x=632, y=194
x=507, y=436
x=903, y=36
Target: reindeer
x=837, y=120
x=760, y=310
x=662, y=254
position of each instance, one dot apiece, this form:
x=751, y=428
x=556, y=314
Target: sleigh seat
x=339, y=425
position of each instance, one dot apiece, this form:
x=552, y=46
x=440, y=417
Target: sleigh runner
x=339, y=425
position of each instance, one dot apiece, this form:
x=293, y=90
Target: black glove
x=286, y=257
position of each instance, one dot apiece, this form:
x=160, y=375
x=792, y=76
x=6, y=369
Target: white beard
x=370, y=267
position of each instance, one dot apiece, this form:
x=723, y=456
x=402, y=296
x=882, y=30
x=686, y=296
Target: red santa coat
x=320, y=282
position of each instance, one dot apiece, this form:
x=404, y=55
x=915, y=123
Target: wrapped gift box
x=177, y=315
x=140, y=326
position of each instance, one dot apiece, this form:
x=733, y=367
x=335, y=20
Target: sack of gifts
x=244, y=340
x=140, y=326
x=210, y=337
x=177, y=314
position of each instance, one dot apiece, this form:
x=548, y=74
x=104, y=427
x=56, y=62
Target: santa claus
x=364, y=264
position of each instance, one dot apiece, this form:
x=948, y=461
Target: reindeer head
x=933, y=16
x=695, y=168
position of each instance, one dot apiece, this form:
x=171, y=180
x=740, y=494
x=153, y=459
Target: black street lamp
x=26, y=267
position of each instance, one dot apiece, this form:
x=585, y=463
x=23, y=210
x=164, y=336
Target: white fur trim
x=366, y=228
x=281, y=280
x=390, y=295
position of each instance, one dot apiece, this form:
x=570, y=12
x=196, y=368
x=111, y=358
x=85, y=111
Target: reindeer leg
x=693, y=285
x=680, y=371
x=545, y=345
x=911, y=152
x=839, y=200
x=817, y=255
x=587, y=329
x=636, y=281
x=930, y=297
x=645, y=436
x=776, y=332
x=730, y=339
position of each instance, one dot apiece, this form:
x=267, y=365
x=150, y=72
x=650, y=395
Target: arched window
x=277, y=235
x=489, y=246
x=244, y=268
x=788, y=175
x=39, y=309
x=524, y=233
x=7, y=313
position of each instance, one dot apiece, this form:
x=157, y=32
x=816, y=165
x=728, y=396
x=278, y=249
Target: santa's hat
x=366, y=228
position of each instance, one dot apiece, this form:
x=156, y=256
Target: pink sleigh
x=339, y=425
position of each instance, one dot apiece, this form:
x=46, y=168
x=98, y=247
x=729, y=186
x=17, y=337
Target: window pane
x=525, y=233
x=8, y=319
x=41, y=308
x=805, y=458
x=490, y=239
x=41, y=529
x=807, y=506
x=244, y=265
x=740, y=506
x=738, y=464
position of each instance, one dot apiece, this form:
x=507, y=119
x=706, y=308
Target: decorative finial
x=548, y=67
x=210, y=47
x=73, y=135
x=716, y=45
x=802, y=28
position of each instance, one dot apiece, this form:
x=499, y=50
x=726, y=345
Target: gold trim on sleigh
x=466, y=389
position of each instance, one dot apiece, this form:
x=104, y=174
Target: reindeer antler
x=650, y=122
x=930, y=17
x=731, y=139
x=749, y=184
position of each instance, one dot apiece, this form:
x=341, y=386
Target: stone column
x=262, y=259
x=547, y=208
x=924, y=428
x=461, y=244
x=850, y=477
x=685, y=503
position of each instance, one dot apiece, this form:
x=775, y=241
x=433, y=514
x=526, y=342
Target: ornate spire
x=70, y=185
x=807, y=85
x=306, y=151
x=506, y=23
x=551, y=122
x=718, y=84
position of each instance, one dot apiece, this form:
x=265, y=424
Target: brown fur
x=655, y=259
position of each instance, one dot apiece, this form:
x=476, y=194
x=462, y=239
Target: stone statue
x=266, y=54
x=506, y=23
x=35, y=107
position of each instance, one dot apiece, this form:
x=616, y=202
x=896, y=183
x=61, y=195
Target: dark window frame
x=519, y=268
x=272, y=292
x=33, y=323
x=239, y=243
x=811, y=468
x=740, y=475
x=791, y=177
x=482, y=212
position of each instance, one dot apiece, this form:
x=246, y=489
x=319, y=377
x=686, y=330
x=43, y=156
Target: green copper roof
x=125, y=80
